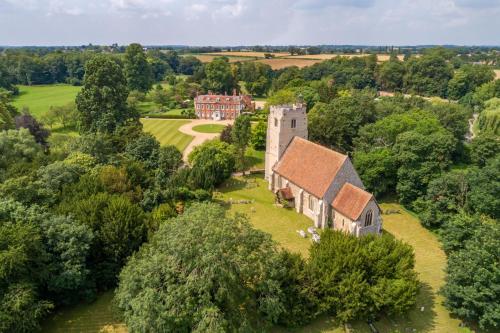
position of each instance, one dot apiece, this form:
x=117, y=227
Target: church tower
x=283, y=124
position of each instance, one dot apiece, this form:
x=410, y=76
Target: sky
x=250, y=22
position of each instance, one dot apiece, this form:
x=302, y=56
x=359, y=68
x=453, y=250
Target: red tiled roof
x=310, y=166
x=351, y=201
x=223, y=99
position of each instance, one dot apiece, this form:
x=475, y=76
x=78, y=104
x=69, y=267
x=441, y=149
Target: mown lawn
x=167, y=132
x=39, y=99
x=209, y=128
x=98, y=316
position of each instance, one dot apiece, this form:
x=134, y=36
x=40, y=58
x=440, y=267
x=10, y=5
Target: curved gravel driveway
x=199, y=138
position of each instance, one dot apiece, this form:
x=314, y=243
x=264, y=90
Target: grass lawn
x=166, y=131
x=99, y=316
x=209, y=128
x=430, y=259
x=40, y=98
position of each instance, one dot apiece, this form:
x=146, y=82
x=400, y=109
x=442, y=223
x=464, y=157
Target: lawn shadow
x=420, y=319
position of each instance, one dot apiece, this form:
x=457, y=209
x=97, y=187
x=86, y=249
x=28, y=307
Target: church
x=318, y=182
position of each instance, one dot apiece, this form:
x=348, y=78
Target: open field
x=497, y=74
x=209, y=128
x=39, y=99
x=167, y=132
x=249, y=54
x=210, y=57
x=324, y=56
x=98, y=316
x=279, y=63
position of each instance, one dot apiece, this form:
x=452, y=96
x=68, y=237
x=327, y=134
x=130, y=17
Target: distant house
x=221, y=107
x=318, y=182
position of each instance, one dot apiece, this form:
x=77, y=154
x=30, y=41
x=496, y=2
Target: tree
x=336, y=124
x=219, y=76
x=65, y=115
x=226, y=134
x=240, y=135
x=362, y=277
x=17, y=146
x=467, y=79
x=220, y=284
x=446, y=196
x=489, y=119
x=68, y=243
x=484, y=147
x=458, y=230
x=471, y=289
x=212, y=163
x=484, y=195
x=377, y=169
x=259, y=133
x=36, y=129
x=137, y=69
x=420, y=159
x=145, y=149
x=427, y=75
x=102, y=102
x=7, y=111
x=390, y=75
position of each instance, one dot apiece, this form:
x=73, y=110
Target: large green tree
x=102, y=102
x=137, y=69
x=428, y=75
x=219, y=76
x=472, y=289
x=363, y=277
x=240, y=137
x=179, y=283
x=336, y=124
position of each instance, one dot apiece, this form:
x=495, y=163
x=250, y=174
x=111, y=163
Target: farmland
x=39, y=99
x=209, y=57
x=279, y=63
x=249, y=54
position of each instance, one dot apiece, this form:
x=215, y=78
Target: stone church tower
x=283, y=124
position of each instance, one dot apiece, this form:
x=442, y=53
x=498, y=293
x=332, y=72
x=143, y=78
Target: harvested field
x=279, y=63
x=248, y=54
x=210, y=57
x=380, y=57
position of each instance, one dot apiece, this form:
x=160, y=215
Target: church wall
x=376, y=219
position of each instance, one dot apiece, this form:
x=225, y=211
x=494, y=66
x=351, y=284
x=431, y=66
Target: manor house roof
x=351, y=201
x=310, y=166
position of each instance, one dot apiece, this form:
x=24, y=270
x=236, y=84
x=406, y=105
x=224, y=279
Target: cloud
x=237, y=22
x=478, y=3
x=322, y=4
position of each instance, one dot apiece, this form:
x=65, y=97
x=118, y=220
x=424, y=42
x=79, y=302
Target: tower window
x=294, y=123
x=276, y=122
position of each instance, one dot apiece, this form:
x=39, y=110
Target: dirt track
x=199, y=138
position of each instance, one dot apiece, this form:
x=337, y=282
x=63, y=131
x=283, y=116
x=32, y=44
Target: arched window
x=368, y=218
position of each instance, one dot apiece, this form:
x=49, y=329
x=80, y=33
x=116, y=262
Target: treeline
x=33, y=68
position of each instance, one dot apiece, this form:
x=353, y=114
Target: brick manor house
x=221, y=107
x=318, y=182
